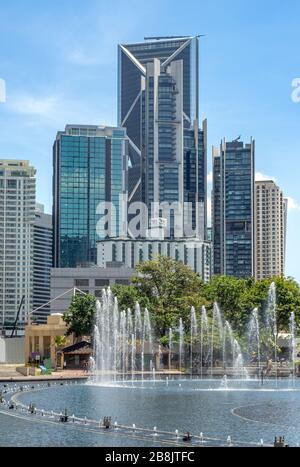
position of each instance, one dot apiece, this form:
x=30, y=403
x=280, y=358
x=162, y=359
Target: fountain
x=271, y=322
x=292, y=346
x=181, y=344
x=254, y=340
x=217, y=325
x=204, y=335
x=224, y=383
x=120, y=340
x=170, y=348
x=125, y=346
x=194, y=333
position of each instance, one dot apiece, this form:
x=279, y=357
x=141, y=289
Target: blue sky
x=59, y=61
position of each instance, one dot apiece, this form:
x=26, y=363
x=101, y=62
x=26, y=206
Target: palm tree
x=60, y=342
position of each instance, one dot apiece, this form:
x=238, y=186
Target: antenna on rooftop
x=237, y=139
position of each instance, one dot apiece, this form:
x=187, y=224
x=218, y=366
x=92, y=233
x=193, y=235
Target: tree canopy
x=169, y=289
x=80, y=315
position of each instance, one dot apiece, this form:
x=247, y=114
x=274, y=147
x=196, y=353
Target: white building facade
x=271, y=227
x=90, y=279
x=42, y=263
x=17, y=215
x=191, y=252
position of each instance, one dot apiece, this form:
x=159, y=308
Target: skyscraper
x=17, y=214
x=42, y=263
x=159, y=106
x=233, y=209
x=270, y=210
x=89, y=168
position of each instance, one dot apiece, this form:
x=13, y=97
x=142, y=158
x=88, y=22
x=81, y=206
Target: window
x=101, y=282
x=82, y=283
x=11, y=183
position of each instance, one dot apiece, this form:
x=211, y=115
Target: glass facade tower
x=89, y=168
x=159, y=106
x=233, y=209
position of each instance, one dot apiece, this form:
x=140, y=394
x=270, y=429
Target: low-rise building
x=92, y=280
x=192, y=252
x=40, y=339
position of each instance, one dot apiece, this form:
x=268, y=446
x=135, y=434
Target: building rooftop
x=93, y=131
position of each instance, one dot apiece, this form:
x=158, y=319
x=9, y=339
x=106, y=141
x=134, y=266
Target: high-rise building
x=42, y=263
x=271, y=212
x=285, y=218
x=90, y=165
x=233, y=209
x=159, y=106
x=17, y=214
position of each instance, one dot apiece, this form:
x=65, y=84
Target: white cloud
x=292, y=204
x=30, y=105
x=261, y=177
x=210, y=177
x=56, y=110
x=77, y=57
x=2, y=91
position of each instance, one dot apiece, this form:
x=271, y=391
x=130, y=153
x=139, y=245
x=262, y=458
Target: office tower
x=159, y=106
x=210, y=240
x=209, y=234
x=89, y=168
x=233, y=209
x=17, y=208
x=42, y=263
x=270, y=209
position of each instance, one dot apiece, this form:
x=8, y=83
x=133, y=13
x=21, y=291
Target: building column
x=41, y=347
x=27, y=348
x=52, y=352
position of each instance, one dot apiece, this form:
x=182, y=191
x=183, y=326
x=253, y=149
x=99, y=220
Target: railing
x=9, y=403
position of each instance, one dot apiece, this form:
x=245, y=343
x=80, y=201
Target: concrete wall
x=64, y=279
x=12, y=351
x=2, y=350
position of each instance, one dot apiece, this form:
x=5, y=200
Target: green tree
x=238, y=297
x=128, y=296
x=287, y=299
x=228, y=292
x=170, y=288
x=60, y=342
x=81, y=315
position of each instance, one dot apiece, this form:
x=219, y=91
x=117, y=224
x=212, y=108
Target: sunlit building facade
x=233, y=214
x=17, y=216
x=159, y=106
x=271, y=226
x=89, y=169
